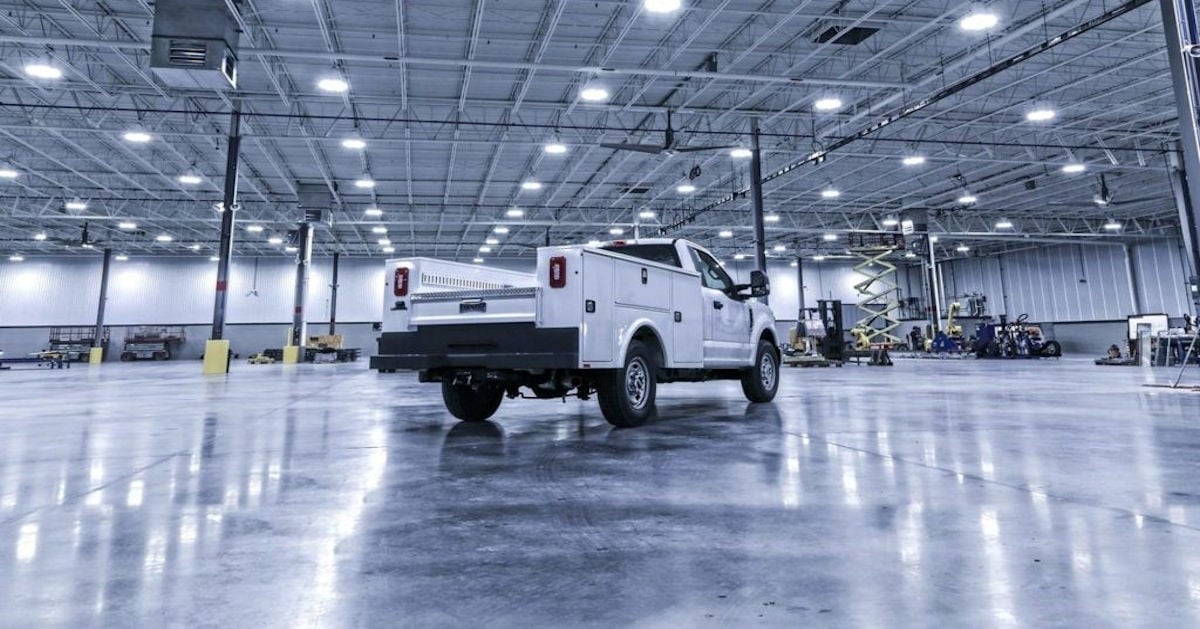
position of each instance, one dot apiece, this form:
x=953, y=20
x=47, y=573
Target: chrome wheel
x=637, y=383
x=766, y=370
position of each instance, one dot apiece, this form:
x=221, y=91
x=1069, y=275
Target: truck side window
x=712, y=275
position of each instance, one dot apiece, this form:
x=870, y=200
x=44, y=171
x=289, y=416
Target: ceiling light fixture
x=830, y=237
x=617, y=231
x=1004, y=224
x=685, y=188
x=780, y=248
x=254, y=229
x=531, y=185
x=214, y=259
x=16, y=258
x=830, y=193
x=356, y=144
x=9, y=173
x=379, y=229
x=76, y=205
x=500, y=229
x=1074, y=169
x=1040, y=115
x=910, y=255
x=190, y=179
x=967, y=199
x=194, y=247
x=365, y=183
x=962, y=248
x=332, y=84
x=725, y=233
x=594, y=94
x=274, y=240
x=661, y=6
x=595, y=243
x=771, y=218
x=383, y=242
x=373, y=211
x=515, y=212
x=478, y=260
x=555, y=148
x=39, y=236
x=890, y=221
x=127, y=225
x=646, y=214
x=1113, y=226
x=164, y=238
x=913, y=160
x=137, y=137
x=43, y=71
x=978, y=22
x=291, y=249
x=828, y=104
x=485, y=249
x=934, y=238
x=122, y=258
x=741, y=153
x=818, y=258
x=492, y=241
x=739, y=256
x=388, y=250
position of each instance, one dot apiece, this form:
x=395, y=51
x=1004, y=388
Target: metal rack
x=74, y=343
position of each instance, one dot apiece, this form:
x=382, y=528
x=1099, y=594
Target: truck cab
x=614, y=321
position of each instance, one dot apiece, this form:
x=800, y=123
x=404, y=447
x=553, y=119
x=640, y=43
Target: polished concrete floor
x=953, y=494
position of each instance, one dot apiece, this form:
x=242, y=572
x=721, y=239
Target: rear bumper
x=482, y=346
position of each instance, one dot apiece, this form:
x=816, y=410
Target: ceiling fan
x=668, y=145
x=84, y=240
x=1105, y=198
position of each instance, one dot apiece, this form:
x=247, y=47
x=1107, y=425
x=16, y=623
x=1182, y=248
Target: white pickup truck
x=615, y=320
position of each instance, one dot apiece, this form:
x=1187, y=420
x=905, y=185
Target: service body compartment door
x=598, y=335
x=643, y=286
x=687, y=319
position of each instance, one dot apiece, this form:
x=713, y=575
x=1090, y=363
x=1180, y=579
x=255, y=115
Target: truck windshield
x=662, y=254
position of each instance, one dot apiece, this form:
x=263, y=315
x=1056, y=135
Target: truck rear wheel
x=761, y=381
x=471, y=404
x=627, y=395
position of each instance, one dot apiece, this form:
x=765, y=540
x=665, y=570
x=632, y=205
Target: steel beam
x=1181, y=25
x=104, y=269
x=228, y=209
x=756, y=192
x=303, y=261
x=333, y=290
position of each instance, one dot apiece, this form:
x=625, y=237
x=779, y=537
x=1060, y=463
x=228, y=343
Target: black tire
x=627, y=394
x=1051, y=349
x=761, y=382
x=160, y=355
x=471, y=404
x=127, y=357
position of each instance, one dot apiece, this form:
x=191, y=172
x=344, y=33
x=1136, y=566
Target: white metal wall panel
x=1159, y=266
x=64, y=291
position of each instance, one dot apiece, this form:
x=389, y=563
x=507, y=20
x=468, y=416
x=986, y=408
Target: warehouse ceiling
x=455, y=103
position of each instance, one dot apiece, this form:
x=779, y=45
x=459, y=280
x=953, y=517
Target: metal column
x=1134, y=286
x=756, y=194
x=935, y=296
x=228, y=208
x=303, y=260
x=97, y=338
x=333, y=286
x=1182, y=30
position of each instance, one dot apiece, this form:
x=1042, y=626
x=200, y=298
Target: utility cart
x=152, y=343
x=76, y=343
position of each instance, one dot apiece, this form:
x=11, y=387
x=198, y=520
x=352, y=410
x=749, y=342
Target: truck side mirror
x=759, y=285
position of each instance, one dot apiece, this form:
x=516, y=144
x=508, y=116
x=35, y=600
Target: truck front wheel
x=469, y=403
x=627, y=395
x=761, y=381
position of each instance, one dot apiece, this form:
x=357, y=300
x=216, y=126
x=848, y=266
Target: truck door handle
x=718, y=305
